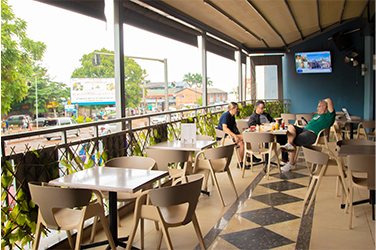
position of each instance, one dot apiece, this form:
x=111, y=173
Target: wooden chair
x=319, y=165
x=215, y=160
x=362, y=164
x=166, y=157
x=253, y=144
x=226, y=139
x=242, y=125
x=137, y=162
x=287, y=118
x=363, y=127
x=345, y=129
x=321, y=140
x=172, y=206
x=56, y=211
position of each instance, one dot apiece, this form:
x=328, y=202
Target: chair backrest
x=242, y=125
x=337, y=131
x=355, y=142
x=164, y=157
x=132, y=162
x=204, y=138
x=180, y=194
x=48, y=197
x=255, y=139
x=314, y=155
x=221, y=135
x=367, y=124
x=298, y=118
x=363, y=163
x=222, y=152
x=287, y=118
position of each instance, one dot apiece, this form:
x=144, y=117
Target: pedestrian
x=7, y=125
x=3, y=125
x=24, y=123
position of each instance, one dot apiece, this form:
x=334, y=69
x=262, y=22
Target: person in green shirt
x=297, y=136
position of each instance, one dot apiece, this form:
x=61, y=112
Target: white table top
x=177, y=145
x=110, y=179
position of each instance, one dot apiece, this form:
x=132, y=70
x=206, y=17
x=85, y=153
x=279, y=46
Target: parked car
x=40, y=121
x=158, y=119
x=107, y=129
x=16, y=120
x=111, y=116
x=59, y=122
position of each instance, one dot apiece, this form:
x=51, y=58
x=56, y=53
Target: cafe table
x=346, y=150
x=113, y=180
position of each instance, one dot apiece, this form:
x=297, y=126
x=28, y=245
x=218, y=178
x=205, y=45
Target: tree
x=134, y=74
x=18, y=56
x=196, y=81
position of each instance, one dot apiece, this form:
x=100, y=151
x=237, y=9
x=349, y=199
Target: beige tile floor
x=329, y=227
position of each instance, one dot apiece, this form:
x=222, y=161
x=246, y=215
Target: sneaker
x=283, y=162
x=241, y=166
x=287, y=147
x=287, y=167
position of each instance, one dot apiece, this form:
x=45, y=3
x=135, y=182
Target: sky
x=69, y=36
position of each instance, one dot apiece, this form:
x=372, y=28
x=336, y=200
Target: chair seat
x=174, y=215
x=67, y=218
x=360, y=182
x=218, y=165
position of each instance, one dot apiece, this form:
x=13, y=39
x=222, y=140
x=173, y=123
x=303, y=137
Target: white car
x=105, y=129
x=58, y=122
x=159, y=119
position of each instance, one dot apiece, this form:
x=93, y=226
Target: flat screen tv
x=313, y=62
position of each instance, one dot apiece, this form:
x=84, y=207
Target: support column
x=166, y=85
x=119, y=59
x=240, y=76
x=369, y=80
x=204, y=65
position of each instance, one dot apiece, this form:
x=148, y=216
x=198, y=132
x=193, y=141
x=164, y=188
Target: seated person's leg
x=282, y=140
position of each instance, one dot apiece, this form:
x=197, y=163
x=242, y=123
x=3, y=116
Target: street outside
x=34, y=142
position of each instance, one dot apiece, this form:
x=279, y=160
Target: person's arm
x=270, y=118
x=330, y=105
x=252, y=121
x=228, y=131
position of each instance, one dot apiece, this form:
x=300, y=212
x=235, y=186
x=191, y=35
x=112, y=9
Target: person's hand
x=236, y=139
x=304, y=122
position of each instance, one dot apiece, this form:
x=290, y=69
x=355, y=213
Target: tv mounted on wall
x=313, y=62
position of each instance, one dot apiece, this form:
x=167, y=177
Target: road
x=19, y=145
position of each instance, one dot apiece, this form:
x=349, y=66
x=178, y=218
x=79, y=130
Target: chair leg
x=268, y=166
x=314, y=194
x=217, y=186
x=133, y=233
x=310, y=187
x=70, y=239
x=118, y=219
x=244, y=163
x=38, y=231
x=198, y=231
x=79, y=236
x=142, y=231
x=232, y=182
x=351, y=206
x=160, y=239
x=166, y=236
x=94, y=229
x=276, y=155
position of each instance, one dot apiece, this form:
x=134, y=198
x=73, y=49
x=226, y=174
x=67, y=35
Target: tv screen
x=313, y=62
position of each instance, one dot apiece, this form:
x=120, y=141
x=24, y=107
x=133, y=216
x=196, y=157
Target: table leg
x=351, y=131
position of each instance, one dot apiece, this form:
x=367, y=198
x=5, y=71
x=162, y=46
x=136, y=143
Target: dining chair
x=204, y=138
x=215, y=160
x=361, y=164
x=288, y=118
x=345, y=129
x=164, y=158
x=319, y=165
x=242, y=125
x=253, y=144
x=299, y=120
x=226, y=139
x=171, y=206
x=321, y=140
x=363, y=127
x=336, y=131
x=58, y=211
x=136, y=162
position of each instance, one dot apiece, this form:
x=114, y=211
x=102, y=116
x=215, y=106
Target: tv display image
x=313, y=62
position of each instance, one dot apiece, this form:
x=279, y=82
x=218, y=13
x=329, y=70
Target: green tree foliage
x=18, y=56
x=134, y=74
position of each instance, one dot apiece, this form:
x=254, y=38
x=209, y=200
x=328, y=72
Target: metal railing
x=44, y=163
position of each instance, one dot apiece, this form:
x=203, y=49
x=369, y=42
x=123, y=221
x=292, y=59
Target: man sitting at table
x=297, y=136
x=259, y=117
x=227, y=124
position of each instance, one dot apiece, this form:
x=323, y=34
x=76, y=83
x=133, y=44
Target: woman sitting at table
x=259, y=117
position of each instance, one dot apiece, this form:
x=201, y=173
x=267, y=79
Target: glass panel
x=266, y=82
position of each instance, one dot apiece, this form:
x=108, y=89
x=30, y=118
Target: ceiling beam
x=231, y=18
x=293, y=18
x=318, y=15
x=266, y=20
x=190, y=20
x=343, y=10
